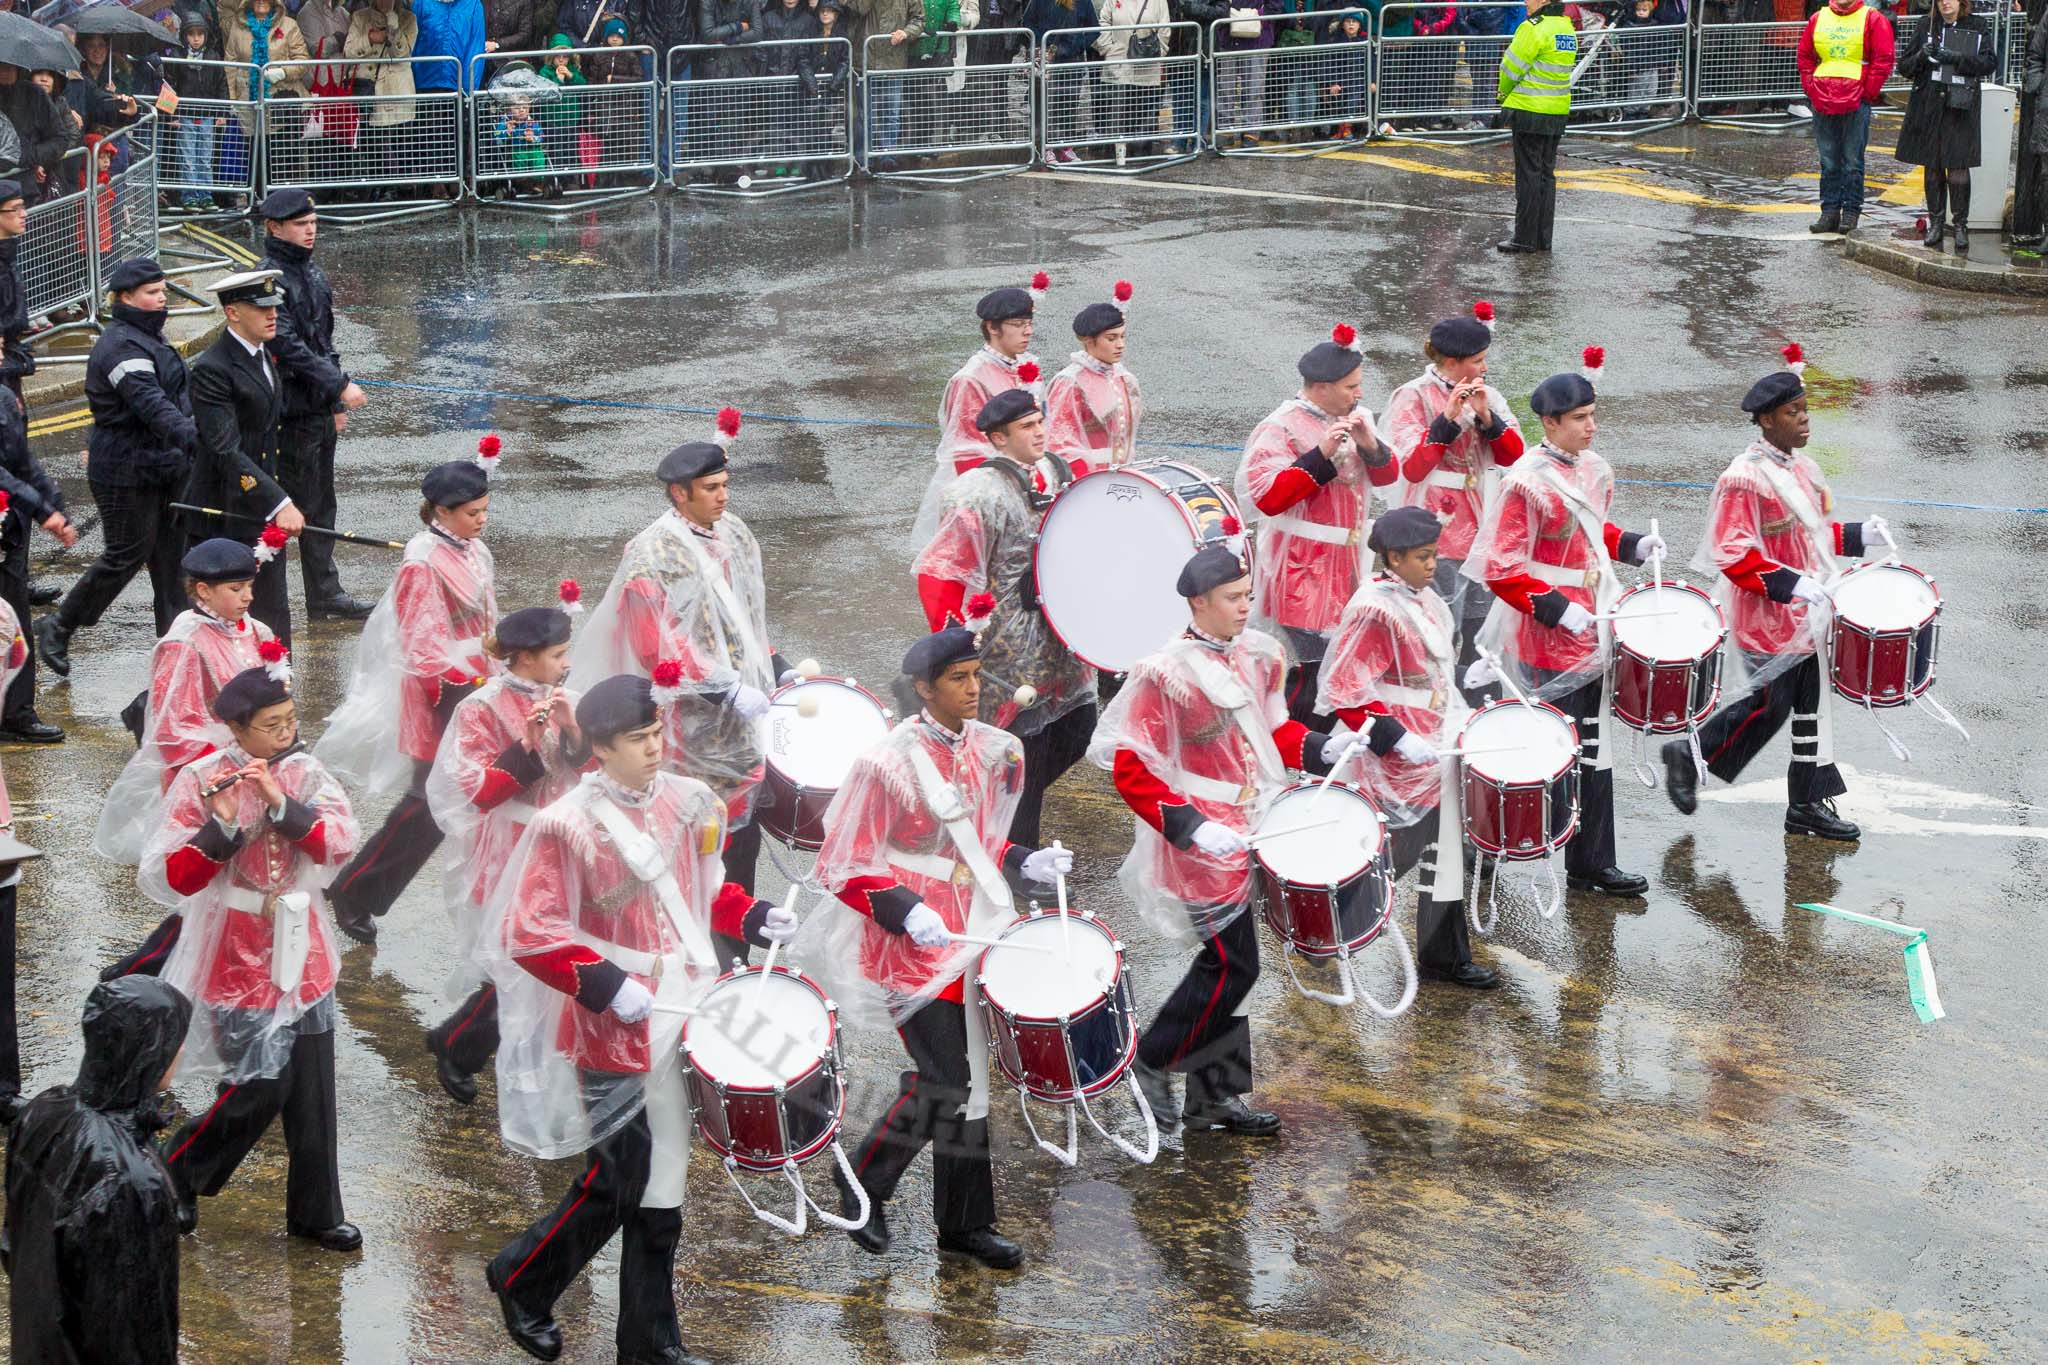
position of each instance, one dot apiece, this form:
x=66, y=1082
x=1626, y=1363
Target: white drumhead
x=819, y=750
x=731, y=1043
x=1109, y=551
x=1671, y=623
x=1885, y=597
x=1046, y=985
x=1322, y=854
x=1523, y=744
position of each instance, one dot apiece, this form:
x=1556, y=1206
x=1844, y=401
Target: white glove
x=1650, y=546
x=925, y=927
x=1046, y=865
x=1809, y=590
x=778, y=925
x=1416, y=749
x=1219, y=841
x=633, y=1002
x=1481, y=673
x=751, y=702
x=789, y=675
x=1875, y=530
x=1576, y=619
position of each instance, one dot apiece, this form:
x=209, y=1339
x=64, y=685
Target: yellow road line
x=69, y=421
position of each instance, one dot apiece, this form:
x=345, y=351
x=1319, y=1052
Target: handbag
x=1144, y=47
x=1244, y=23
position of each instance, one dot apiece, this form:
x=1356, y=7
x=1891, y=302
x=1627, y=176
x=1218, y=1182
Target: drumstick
x=1066, y=930
x=1656, y=569
x=768, y=967
x=1634, y=615
x=1885, y=534
x=1493, y=662
x=1261, y=838
x=1357, y=742
x=998, y=943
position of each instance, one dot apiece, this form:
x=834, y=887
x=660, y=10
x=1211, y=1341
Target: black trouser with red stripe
x=206, y=1151
x=1441, y=942
x=10, y=1038
x=1591, y=849
x=931, y=1108
x=542, y=1261
x=379, y=874
x=469, y=1037
x=1047, y=754
x=149, y=956
x=1738, y=732
x=1197, y=1030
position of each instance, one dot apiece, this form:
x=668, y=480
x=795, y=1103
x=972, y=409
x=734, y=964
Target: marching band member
x=512, y=747
x=207, y=645
x=1004, y=362
x=1199, y=742
x=1391, y=676
x=1093, y=407
x=916, y=846
x=689, y=589
x=598, y=937
x=977, y=569
x=1547, y=551
x=1766, y=540
x=1305, y=470
x=421, y=653
x=251, y=835
x=1453, y=433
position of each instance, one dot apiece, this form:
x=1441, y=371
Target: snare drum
x=1059, y=1020
x=1110, y=549
x=1519, y=779
x=808, y=757
x=1327, y=889
x=767, y=1085
x=1667, y=657
x=1885, y=634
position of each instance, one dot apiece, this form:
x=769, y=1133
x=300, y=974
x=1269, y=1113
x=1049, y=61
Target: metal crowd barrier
x=205, y=149
x=959, y=119
x=1747, y=75
x=1908, y=32
x=1324, y=88
x=56, y=269
x=368, y=156
x=785, y=125
x=1119, y=115
x=1630, y=79
x=1434, y=86
x=587, y=144
x=124, y=209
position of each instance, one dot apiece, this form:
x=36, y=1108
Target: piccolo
x=215, y=788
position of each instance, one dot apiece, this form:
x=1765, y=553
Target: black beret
x=283, y=205
x=1460, y=337
x=620, y=703
x=9, y=189
x=939, y=651
x=1404, y=528
x=133, y=274
x=247, y=693
x=1772, y=391
x=1560, y=394
x=1097, y=318
x=533, y=628
x=1327, y=362
x=220, y=561
x=1005, y=408
x=692, y=460
x=1000, y=305
x=1211, y=567
x=454, y=483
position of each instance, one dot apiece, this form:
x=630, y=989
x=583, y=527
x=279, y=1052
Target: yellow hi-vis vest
x=1838, y=42
x=1536, y=73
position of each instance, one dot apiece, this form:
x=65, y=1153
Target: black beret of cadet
x=219, y=561
x=1001, y=305
x=280, y=206
x=1404, y=528
x=533, y=628
x=454, y=483
x=1458, y=338
x=692, y=460
x=247, y=693
x=131, y=274
x=1560, y=394
x=1097, y=318
x=939, y=651
x=620, y=703
x=1772, y=391
x=1326, y=362
x=1005, y=408
x=1211, y=567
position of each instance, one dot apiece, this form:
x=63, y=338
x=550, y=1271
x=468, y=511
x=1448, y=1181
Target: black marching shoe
x=188, y=1213
x=30, y=729
x=1608, y=881
x=1512, y=247
x=43, y=594
x=1819, y=818
x=1681, y=779
x=1232, y=1115
x=357, y=924
x=667, y=1355
x=1157, y=1088
x=340, y=1237
x=460, y=1085
x=534, y=1333
x=986, y=1245
x=53, y=642
x=1470, y=975
x=342, y=608
x=871, y=1236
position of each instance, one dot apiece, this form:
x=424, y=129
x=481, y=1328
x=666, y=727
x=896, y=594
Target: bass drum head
x=1670, y=624
x=727, y=1042
x=817, y=751
x=1109, y=551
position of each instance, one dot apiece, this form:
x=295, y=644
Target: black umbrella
x=118, y=21
x=27, y=44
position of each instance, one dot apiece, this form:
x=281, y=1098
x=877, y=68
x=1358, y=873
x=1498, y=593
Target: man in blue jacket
x=448, y=28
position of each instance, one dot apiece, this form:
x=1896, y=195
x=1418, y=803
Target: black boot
x=1849, y=221
x=1232, y=1115
x=54, y=642
x=1830, y=220
x=340, y=1237
x=1818, y=818
x=1681, y=779
x=986, y=1245
x=460, y=1085
x=1959, y=201
x=1936, y=188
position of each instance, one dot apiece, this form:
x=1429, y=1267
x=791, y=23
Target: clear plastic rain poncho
x=1311, y=556
x=698, y=598
x=427, y=634
x=569, y=1076
x=479, y=805
x=519, y=83
x=883, y=827
x=962, y=445
x=250, y=1003
x=1549, y=522
x=985, y=540
x=12, y=662
x=1201, y=720
x=1461, y=486
x=1092, y=411
x=187, y=670
x=1396, y=649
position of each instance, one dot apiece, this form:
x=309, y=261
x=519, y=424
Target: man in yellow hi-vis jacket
x=1536, y=95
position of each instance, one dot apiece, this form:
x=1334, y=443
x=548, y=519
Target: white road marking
x=1884, y=803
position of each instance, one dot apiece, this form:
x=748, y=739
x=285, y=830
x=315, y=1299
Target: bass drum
x=1110, y=549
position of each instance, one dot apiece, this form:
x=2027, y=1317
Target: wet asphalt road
x=1706, y=1125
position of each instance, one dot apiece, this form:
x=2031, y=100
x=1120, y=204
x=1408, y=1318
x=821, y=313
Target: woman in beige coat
x=384, y=31
x=1129, y=92
x=258, y=33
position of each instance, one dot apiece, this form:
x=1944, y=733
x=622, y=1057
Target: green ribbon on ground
x=1920, y=984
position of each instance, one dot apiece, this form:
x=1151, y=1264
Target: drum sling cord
x=805, y=1205
x=1070, y=1155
